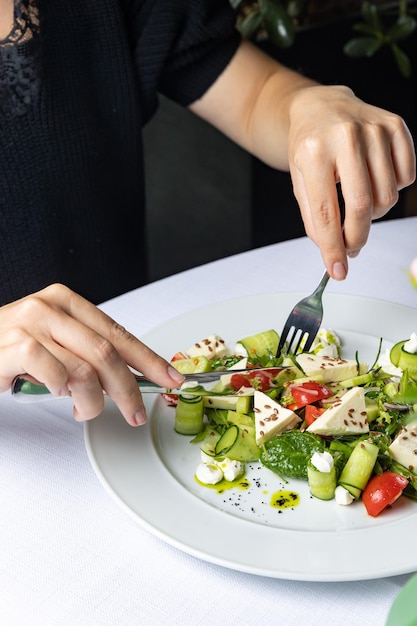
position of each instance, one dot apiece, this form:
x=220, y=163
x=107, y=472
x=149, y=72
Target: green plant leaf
x=296, y=8
x=277, y=22
x=403, y=28
x=362, y=47
x=249, y=26
x=402, y=60
x=370, y=15
x=365, y=29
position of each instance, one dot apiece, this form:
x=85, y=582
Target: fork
x=304, y=321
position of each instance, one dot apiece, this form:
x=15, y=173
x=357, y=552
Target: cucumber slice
x=359, y=467
x=261, y=344
x=193, y=365
x=244, y=404
x=242, y=420
x=354, y=491
x=209, y=444
x=372, y=410
x=241, y=404
x=322, y=484
x=238, y=444
x=189, y=415
x=356, y=381
x=395, y=352
x=403, y=359
x=227, y=440
x=408, y=361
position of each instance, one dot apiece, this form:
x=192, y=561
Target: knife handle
x=26, y=390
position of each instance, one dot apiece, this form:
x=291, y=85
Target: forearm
x=324, y=135
x=250, y=103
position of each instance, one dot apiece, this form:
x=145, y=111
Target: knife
x=26, y=390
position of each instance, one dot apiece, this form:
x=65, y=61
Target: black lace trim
x=19, y=61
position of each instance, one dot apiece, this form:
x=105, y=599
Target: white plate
x=149, y=471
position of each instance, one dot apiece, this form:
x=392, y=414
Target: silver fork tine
x=304, y=320
x=300, y=336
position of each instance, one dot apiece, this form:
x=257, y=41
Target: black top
x=78, y=80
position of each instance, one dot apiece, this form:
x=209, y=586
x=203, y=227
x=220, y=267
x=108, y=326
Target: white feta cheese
x=189, y=384
x=327, y=369
x=239, y=365
x=240, y=350
x=404, y=447
x=342, y=496
x=209, y=474
x=411, y=345
x=384, y=362
x=326, y=343
x=211, y=347
x=231, y=469
x=271, y=418
x=323, y=461
x=348, y=416
x=327, y=349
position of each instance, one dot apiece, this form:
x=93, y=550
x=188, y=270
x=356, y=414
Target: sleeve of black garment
x=181, y=47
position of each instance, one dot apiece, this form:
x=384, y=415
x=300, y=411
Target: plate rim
x=198, y=552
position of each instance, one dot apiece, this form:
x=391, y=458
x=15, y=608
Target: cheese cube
x=404, y=447
x=271, y=418
x=327, y=369
x=347, y=416
x=211, y=347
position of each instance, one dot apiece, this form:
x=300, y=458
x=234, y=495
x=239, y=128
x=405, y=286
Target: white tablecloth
x=70, y=556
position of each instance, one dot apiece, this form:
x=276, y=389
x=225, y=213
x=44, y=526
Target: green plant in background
x=382, y=24
x=374, y=34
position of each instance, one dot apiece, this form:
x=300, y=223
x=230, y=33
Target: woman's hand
x=68, y=344
x=336, y=138
x=324, y=135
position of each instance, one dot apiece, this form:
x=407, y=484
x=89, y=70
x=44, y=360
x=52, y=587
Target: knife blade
x=27, y=390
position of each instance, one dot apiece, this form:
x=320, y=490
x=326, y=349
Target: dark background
x=208, y=199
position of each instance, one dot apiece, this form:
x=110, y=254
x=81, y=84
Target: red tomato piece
x=239, y=380
x=312, y=413
x=178, y=356
x=307, y=393
x=259, y=379
x=171, y=398
x=382, y=491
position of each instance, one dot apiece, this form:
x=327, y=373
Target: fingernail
x=140, y=416
x=339, y=271
x=175, y=374
x=353, y=253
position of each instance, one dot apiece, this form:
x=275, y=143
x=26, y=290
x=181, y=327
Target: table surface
x=70, y=555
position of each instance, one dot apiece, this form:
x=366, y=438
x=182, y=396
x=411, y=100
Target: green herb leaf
x=288, y=454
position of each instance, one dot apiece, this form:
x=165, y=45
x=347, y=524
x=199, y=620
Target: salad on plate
x=346, y=427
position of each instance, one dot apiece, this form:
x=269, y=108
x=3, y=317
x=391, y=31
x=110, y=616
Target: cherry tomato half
x=383, y=490
x=307, y=393
x=259, y=379
x=171, y=398
x=312, y=413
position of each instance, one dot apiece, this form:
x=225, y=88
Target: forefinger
x=131, y=349
x=316, y=193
